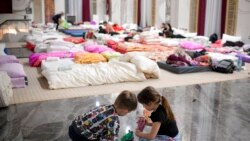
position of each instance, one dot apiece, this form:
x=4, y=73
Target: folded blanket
x=89, y=58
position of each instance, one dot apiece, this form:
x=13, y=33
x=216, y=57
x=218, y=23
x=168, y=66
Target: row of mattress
x=156, y=48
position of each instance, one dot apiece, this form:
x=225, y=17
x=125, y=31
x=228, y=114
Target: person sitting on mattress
x=102, y=122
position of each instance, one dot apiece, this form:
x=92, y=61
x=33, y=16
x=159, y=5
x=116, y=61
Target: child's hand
x=148, y=121
x=138, y=133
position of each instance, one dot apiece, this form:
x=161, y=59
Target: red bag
x=30, y=46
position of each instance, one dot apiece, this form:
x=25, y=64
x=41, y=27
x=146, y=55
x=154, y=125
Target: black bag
x=224, y=66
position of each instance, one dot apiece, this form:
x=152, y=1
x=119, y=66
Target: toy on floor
x=128, y=137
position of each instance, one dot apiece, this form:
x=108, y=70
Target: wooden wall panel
x=231, y=17
x=153, y=12
x=49, y=10
x=194, y=9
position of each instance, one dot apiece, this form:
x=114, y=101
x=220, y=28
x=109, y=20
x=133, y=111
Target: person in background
x=102, y=123
x=163, y=122
x=89, y=34
x=57, y=18
x=109, y=28
x=167, y=30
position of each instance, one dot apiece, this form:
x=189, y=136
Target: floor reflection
x=207, y=112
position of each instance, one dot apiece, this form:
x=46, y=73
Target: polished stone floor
x=206, y=112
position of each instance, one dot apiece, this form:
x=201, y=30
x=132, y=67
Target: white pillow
x=201, y=37
x=2, y=47
x=55, y=48
x=226, y=37
x=171, y=42
x=146, y=65
x=179, y=31
x=189, y=35
x=128, y=56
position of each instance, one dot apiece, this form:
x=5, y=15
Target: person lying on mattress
x=102, y=122
x=166, y=30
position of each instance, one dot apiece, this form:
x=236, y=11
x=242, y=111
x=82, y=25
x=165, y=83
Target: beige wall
x=184, y=14
x=243, y=21
x=37, y=10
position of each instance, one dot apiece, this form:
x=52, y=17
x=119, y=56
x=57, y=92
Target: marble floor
x=206, y=112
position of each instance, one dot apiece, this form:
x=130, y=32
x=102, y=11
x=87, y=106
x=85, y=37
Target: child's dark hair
x=170, y=27
x=149, y=94
x=105, y=22
x=126, y=100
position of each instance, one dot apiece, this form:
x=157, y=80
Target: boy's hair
x=150, y=94
x=105, y=22
x=126, y=100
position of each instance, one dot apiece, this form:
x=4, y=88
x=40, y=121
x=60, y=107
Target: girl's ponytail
x=168, y=109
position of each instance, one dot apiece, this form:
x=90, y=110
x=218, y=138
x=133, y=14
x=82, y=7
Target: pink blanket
x=189, y=45
x=97, y=48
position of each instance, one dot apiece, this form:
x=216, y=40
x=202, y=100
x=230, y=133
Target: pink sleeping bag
x=35, y=59
x=189, y=45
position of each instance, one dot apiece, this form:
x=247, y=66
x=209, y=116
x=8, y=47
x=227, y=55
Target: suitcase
x=6, y=92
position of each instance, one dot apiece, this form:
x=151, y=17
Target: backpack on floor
x=224, y=66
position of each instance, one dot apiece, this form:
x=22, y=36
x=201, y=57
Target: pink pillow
x=191, y=45
x=8, y=59
x=97, y=48
x=14, y=70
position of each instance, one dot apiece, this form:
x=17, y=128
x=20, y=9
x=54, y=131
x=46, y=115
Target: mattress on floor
x=180, y=70
x=75, y=32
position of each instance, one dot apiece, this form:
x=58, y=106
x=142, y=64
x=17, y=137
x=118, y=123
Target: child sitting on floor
x=102, y=123
x=163, y=123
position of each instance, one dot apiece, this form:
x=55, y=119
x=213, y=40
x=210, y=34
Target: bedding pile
x=65, y=73
x=126, y=56
x=11, y=65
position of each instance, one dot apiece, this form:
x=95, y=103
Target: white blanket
x=93, y=74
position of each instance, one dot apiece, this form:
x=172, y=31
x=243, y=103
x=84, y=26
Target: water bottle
x=239, y=63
